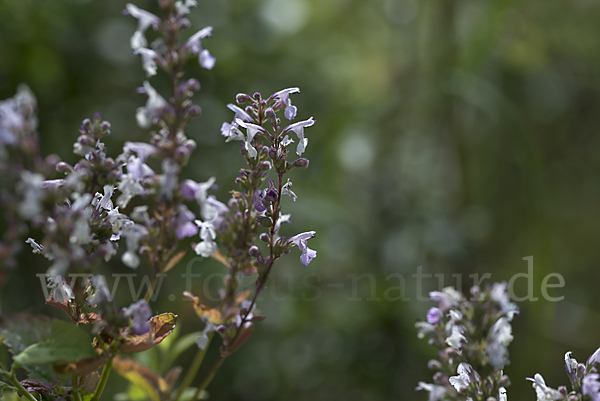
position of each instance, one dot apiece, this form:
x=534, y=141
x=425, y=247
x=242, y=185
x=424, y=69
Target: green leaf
x=67, y=343
x=182, y=344
x=5, y=386
x=23, y=330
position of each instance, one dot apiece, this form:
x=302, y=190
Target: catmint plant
x=472, y=336
x=584, y=380
x=87, y=213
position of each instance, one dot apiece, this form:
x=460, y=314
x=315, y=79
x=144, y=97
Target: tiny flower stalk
x=472, y=336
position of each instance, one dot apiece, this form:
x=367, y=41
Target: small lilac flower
x=446, y=298
x=542, y=391
x=434, y=315
x=150, y=114
x=36, y=248
x=239, y=113
x=591, y=387
x=149, y=57
x=500, y=295
x=594, y=358
x=184, y=226
x=142, y=149
x=499, y=337
x=284, y=98
x=251, y=131
x=502, y=394
x=145, y=21
x=196, y=190
x=285, y=190
x=205, y=59
x=300, y=241
x=207, y=247
x=183, y=7
x=140, y=312
x=456, y=337
x=211, y=209
x=133, y=235
x=61, y=291
x=283, y=218
x=436, y=392
x=101, y=293
x=463, y=380
x=258, y=199
x=298, y=129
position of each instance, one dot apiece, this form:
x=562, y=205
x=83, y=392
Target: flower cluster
x=585, y=381
x=472, y=336
x=82, y=213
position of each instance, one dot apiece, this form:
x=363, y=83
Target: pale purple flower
x=434, y=315
x=101, y=293
x=169, y=177
x=196, y=190
x=145, y=21
x=499, y=337
x=456, y=337
x=502, y=394
x=133, y=235
x=184, y=223
x=300, y=241
x=142, y=149
x=446, y=298
x=183, y=7
x=61, y=291
x=542, y=391
x=594, y=358
x=298, y=129
x=239, y=113
x=258, y=199
x=462, y=381
x=36, y=248
x=140, y=313
x=285, y=190
x=284, y=98
x=251, y=131
x=205, y=59
x=150, y=114
x=436, y=392
x=591, y=387
x=149, y=57
x=500, y=295
x=211, y=209
x=283, y=218
x=208, y=246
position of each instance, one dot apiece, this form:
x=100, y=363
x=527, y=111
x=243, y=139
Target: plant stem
x=194, y=367
x=76, y=394
x=11, y=376
x=209, y=378
x=103, y=380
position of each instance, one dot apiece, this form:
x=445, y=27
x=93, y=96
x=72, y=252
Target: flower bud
x=254, y=251
x=272, y=153
x=242, y=98
x=271, y=194
x=256, y=95
x=193, y=84
x=434, y=365
x=264, y=237
x=300, y=163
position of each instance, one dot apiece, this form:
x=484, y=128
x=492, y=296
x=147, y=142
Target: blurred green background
x=456, y=135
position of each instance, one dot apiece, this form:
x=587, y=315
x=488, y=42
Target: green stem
x=150, y=291
x=103, y=380
x=194, y=368
x=209, y=378
x=11, y=376
x=76, y=395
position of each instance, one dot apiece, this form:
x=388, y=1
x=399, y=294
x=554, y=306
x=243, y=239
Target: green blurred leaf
x=66, y=343
x=182, y=344
x=20, y=332
x=152, y=384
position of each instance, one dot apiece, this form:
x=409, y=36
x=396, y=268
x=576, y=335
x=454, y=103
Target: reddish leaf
x=160, y=327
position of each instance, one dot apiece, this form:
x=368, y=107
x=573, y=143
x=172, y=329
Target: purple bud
x=269, y=112
x=242, y=98
x=272, y=153
x=271, y=194
x=256, y=95
x=254, y=251
x=300, y=163
x=64, y=167
x=264, y=237
x=433, y=315
x=194, y=111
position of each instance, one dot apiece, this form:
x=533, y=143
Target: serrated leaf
x=160, y=327
x=67, y=343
